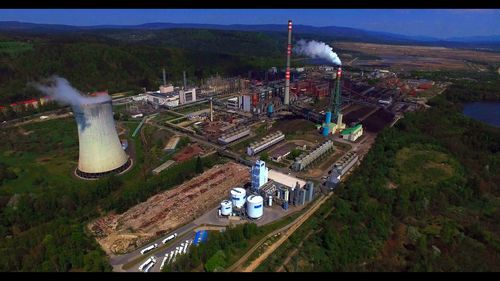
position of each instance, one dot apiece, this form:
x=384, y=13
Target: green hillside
x=115, y=62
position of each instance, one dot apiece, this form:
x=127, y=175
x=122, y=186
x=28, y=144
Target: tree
x=199, y=165
x=264, y=156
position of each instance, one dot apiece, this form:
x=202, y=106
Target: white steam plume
x=315, y=49
x=60, y=89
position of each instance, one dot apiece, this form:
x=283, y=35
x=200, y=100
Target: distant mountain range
x=335, y=32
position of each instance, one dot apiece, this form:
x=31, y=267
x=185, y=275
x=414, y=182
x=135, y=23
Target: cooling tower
x=101, y=152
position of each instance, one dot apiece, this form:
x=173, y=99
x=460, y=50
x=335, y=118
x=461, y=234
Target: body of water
x=487, y=112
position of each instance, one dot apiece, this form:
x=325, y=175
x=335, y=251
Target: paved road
x=117, y=261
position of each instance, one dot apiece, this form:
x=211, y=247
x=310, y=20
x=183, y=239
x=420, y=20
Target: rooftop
x=284, y=179
x=351, y=130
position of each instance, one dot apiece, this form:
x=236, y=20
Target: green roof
x=351, y=130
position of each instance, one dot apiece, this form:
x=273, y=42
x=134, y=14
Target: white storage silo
x=255, y=206
x=100, y=149
x=238, y=196
x=226, y=208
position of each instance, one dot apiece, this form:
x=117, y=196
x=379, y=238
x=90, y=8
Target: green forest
x=113, y=61
x=44, y=210
x=425, y=198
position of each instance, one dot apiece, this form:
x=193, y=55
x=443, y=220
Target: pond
x=486, y=112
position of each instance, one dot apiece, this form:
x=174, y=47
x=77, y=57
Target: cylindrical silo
x=100, y=149
x=226, y=208
x=254, y=206
x=238, y=196
x=270, y=201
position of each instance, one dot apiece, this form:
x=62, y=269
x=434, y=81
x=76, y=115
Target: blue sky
x=429, y=22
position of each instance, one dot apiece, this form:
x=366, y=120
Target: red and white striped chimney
x=287, y=73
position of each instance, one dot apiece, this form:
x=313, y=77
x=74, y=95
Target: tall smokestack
x=184, y=78
x=164, y=78
x=211, y=111
x=287, y=72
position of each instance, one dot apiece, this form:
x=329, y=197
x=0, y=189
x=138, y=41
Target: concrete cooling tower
x=101, y=152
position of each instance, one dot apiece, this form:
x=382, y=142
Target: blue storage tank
x=328, y=117
x=285, y=205
x=326, y=130
x=270, y=109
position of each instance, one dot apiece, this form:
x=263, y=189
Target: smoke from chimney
x=315, y=49
x=62, y=91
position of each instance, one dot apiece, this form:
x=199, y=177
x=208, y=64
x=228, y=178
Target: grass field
x=193, y=108
x=45, y=154
x=41, y=155
x=421, y=166
x=14, y=48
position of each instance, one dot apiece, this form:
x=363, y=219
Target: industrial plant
x=287, y=136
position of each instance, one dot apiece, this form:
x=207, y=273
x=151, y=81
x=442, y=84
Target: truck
x=185, y=247
x=163, y=261
x=147, y=264
x=170, y=237
x=150, y=265
x=149, y=248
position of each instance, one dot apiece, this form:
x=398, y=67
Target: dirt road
x=295, y=225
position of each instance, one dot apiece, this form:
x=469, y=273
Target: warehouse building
x=302, y=162
x=233, y=134
x=344, y=164
x=265, y=143
x=353, y=133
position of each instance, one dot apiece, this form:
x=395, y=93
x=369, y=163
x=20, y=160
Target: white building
x=187, y=96
x=170, y=100
x=234, y=103
x=259, y=174
x=265, y=142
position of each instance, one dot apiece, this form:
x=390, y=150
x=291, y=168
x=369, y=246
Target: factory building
x=344, y=164
x=353, y=133
x=164, y=99
x=259, y=175
x=283, y=151
x=302, y=162
x=166, y=89
x=265, y=142
x=233, y=134
x=234, y=103
x=100, y=152
x=187, y=96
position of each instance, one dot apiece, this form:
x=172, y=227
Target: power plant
x=101, y=152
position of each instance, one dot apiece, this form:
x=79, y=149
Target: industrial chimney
x=101, y=152
x=164, y=78
x=287, y=73
x=184, y=79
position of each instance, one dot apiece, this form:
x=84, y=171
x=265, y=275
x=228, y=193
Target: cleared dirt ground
x=161, y=213
x=421, y=57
